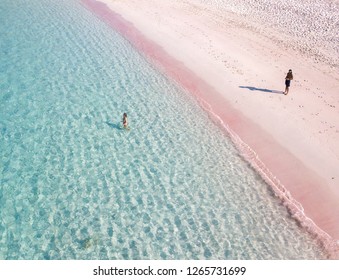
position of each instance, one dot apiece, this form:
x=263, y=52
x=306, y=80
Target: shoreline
x=301, y=178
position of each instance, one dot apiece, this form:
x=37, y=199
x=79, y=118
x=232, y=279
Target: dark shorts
x=287, y=83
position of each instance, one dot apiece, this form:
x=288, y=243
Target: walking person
x=288, y=79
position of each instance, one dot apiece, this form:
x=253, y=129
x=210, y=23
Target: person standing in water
x=289, y=77
x=125, y=121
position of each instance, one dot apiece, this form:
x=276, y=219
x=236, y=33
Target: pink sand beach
x=234, y=58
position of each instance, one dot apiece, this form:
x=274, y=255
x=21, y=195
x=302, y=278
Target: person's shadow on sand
x=114, y=125
x=262, y=89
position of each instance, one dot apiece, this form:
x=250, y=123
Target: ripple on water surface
x=74, y=185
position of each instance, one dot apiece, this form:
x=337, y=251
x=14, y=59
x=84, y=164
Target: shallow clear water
x=74, y=185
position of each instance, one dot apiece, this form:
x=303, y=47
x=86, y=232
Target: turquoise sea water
x=74, y=185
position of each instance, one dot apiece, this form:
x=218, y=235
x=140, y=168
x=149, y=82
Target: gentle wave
x=330, y=244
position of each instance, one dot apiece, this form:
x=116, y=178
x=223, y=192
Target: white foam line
x=296, y=210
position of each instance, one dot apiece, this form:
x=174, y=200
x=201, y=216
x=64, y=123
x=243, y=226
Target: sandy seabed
x=234, y=56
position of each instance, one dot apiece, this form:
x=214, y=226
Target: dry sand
x=239, y=60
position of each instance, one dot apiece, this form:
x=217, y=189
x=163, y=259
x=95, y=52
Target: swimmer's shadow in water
x=114, y=125
x=263, y=89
